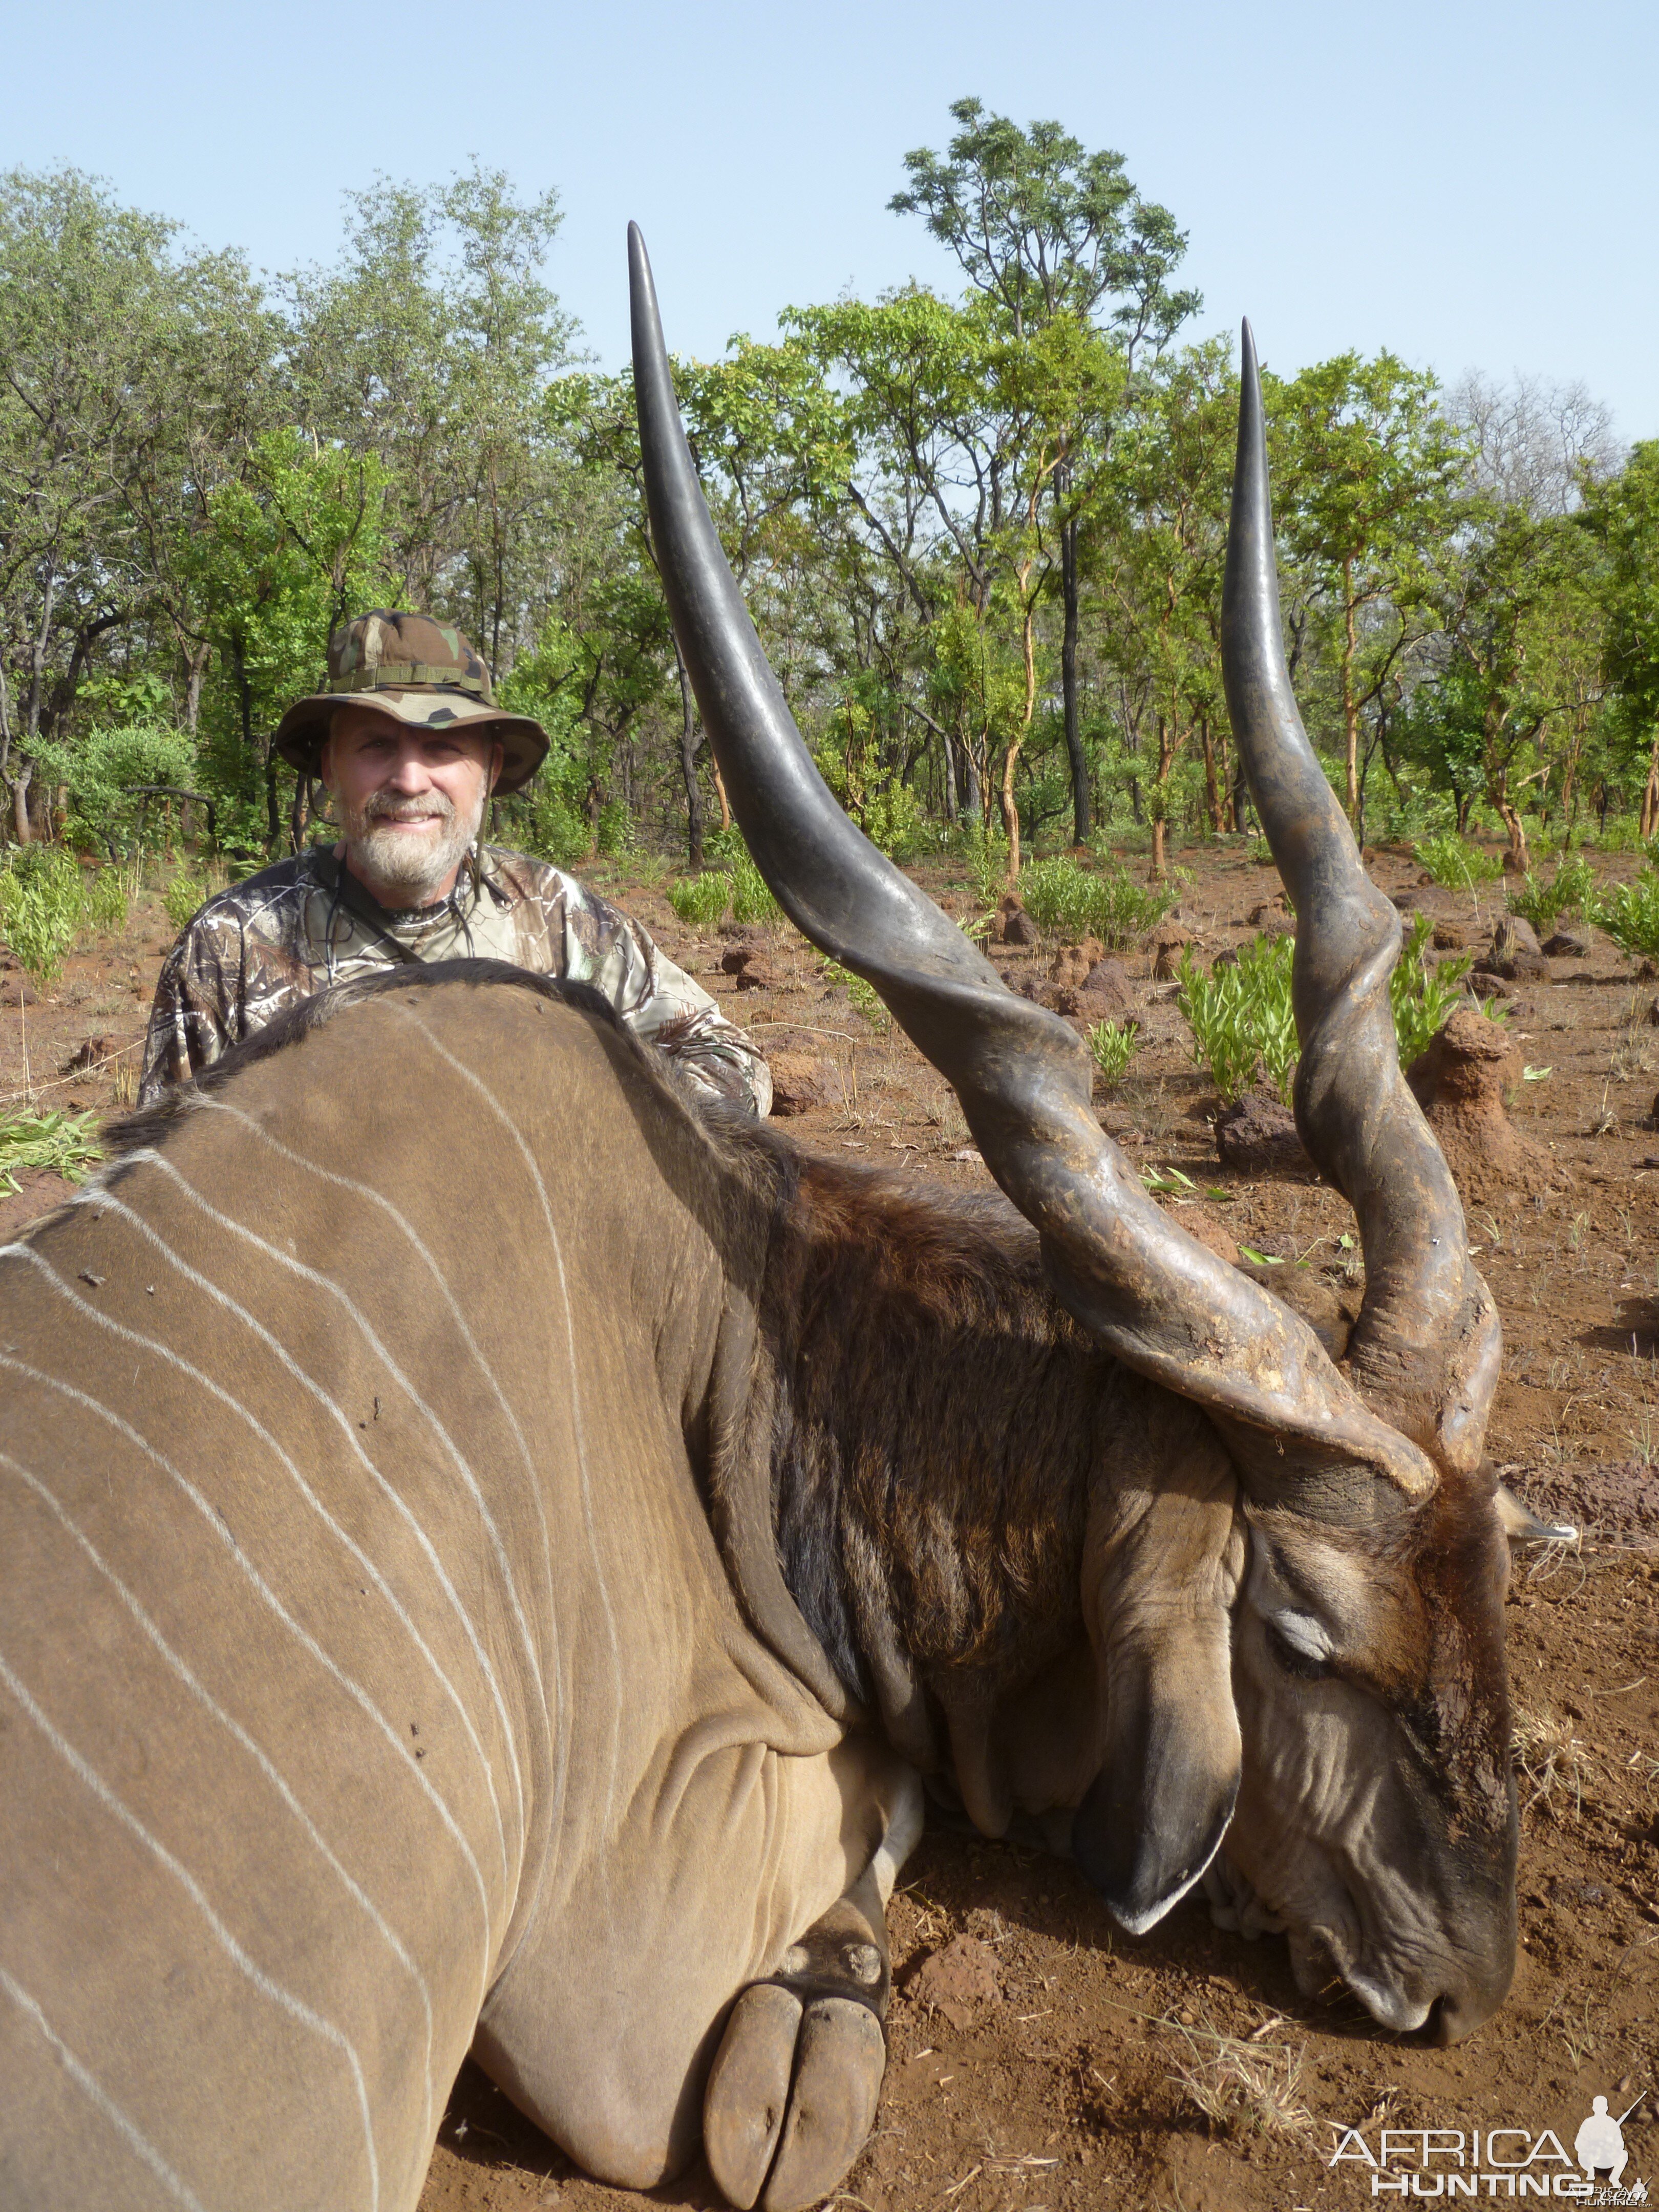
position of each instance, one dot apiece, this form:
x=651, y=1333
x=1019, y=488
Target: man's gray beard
x=412, y=869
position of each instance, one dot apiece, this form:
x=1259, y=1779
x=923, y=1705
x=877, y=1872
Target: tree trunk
x=19, y=803
x=1211, y=784
x=197, y=663
x=688, y=769
x=1651, y=796
x=1350, y=704
x=1083, y=820
x=1518, y=860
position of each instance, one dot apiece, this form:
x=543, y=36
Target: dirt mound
x=1459, y=1083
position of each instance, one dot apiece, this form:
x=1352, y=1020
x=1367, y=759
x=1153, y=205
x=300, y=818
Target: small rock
x=1449, y=937
x=1013, y=926
x=15, y=991
x=88, y=1056
x=1561, y=946
x=1269, y=910
x=1485, y=985
x=957, y=1980
x=1514, y=933
x=1257, y=1136
x=1653, y=1015
x=803, y=1080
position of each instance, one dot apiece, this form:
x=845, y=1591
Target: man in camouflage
x=410, y=745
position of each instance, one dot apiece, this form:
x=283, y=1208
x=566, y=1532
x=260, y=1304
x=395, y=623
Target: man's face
x=411, y=801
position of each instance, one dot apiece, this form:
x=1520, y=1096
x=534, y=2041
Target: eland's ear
x=1154, y=1814
x=1521, y=1526
x=1163, y=1560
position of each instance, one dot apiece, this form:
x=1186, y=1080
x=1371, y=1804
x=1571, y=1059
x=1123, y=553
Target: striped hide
x=371, y=1684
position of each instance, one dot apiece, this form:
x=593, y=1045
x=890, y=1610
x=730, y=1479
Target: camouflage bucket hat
x=420, y=673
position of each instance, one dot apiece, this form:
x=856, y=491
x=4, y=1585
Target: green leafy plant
x=1629, y=915
x=751, y=900
x=63, y=1142
x=42, y=906
x=1542, y=904
x=863, y=995
x=1072, y=901
x=1240, y=1015
x=702, y=900
x=1453, y=861
x=184, y=897
x=989, y=858
x=1422, y=997
x=105, y=900
x=1113, y=1045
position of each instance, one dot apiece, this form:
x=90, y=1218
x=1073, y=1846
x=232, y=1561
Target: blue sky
x=1474, y=185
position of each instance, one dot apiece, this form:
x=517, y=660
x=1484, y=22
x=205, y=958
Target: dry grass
x=1549, y=1759
x=1240, y=2088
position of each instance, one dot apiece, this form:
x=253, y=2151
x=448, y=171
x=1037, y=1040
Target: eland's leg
x=793, y=2091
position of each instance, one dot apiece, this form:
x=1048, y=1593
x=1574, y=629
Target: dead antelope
x=510, y=1604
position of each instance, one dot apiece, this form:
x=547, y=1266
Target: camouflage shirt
x=294, y=928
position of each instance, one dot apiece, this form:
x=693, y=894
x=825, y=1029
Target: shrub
x=1421, y=996
x=184, y=897
x=1113, y=1044
x=1061, y=895
x=1240, y=1015
x=701, y=900
x=751, y=900
x=42, y=906
x=1453, y=861
x=618, y=835
x=1629, y=915
x=1542, y=904
x=989, y=858
x=104, y=899
x=547, y=826
x=894, y=822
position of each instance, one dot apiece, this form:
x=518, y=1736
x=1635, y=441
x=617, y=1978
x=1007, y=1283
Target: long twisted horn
x=1158, y=1300
x=1427, y=1347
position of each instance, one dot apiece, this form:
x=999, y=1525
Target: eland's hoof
x=792, y=2090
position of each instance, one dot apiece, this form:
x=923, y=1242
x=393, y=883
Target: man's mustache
x=390, y=806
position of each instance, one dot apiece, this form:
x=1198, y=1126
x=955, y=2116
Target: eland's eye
x=1300, y=1649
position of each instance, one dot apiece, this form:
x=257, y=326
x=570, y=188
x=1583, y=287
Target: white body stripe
x=93, y=2090
x=228, y=1721
x=272, y=1992
x=400, y=1506
x=303, y=1636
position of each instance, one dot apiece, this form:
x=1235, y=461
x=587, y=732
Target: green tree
x=1621, y=515
x=1051, y=233
x=281, y=556
x=1158, y=544
x=115, y=349
x=1369, y=479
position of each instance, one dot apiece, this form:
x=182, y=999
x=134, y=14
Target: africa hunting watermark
x=1504, y=2161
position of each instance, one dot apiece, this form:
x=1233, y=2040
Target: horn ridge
x=1426, y=1347
x=1163, y=1303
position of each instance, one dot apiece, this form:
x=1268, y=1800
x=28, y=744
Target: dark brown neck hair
x=936, y=1421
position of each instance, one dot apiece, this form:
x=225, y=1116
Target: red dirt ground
x=1075, y=2078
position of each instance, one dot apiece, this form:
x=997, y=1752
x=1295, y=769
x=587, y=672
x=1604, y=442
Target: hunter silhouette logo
x=1509, y=2162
